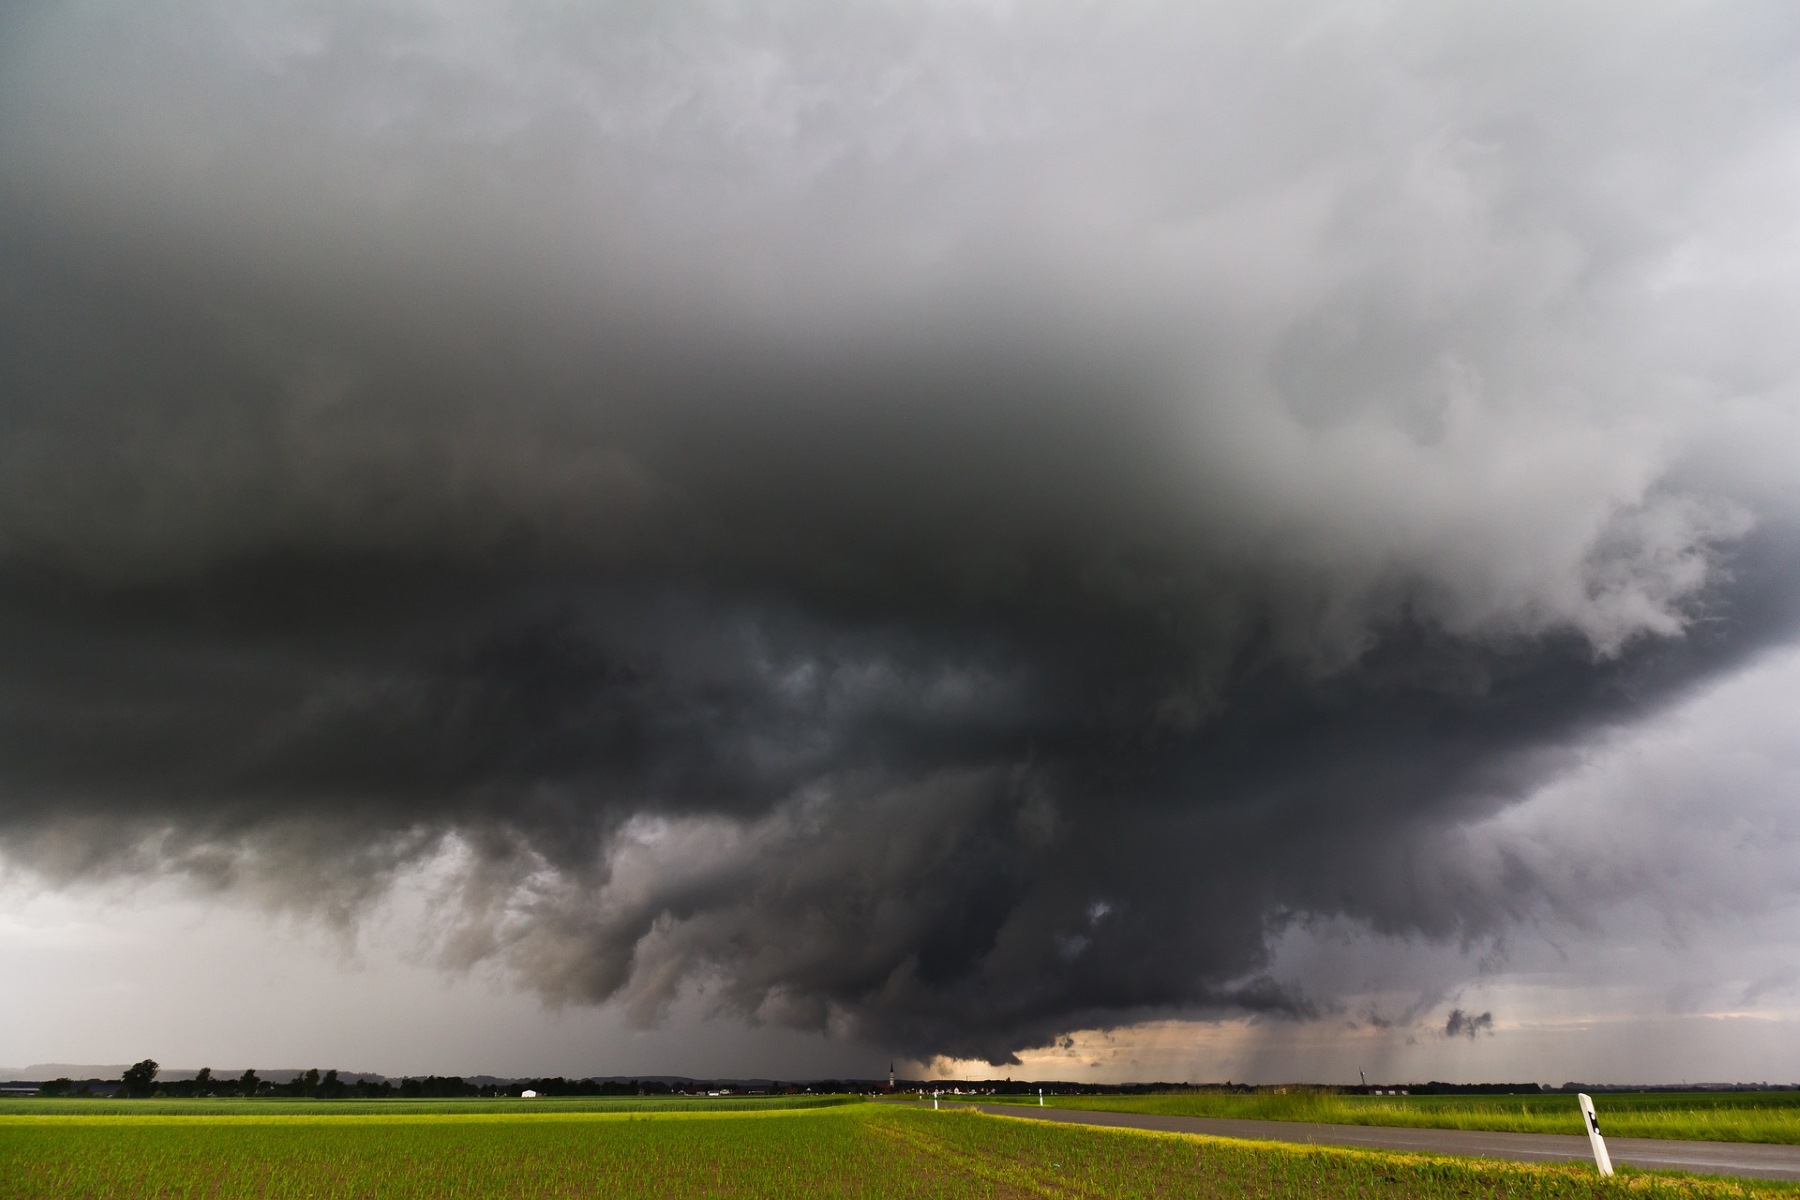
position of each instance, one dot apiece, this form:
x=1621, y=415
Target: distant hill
x=41, y=1071
x=38, y=1072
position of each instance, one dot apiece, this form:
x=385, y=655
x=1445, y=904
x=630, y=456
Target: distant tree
x=58, y=1087
x=330, y=1087
x=139, y=1077
x=309, y=1083
x=203, y=1082
x=247, y=1083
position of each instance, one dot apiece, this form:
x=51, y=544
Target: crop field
x=846, y=1150
x=266, y=1107
x=1703, y=1116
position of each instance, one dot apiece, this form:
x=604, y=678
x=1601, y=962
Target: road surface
x=1753, y=1160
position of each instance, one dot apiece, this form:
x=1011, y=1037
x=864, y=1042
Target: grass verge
x=1697, y=1116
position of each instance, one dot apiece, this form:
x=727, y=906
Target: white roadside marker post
x=1040, y=1097
x=1601, y=1158
x=934, y=1097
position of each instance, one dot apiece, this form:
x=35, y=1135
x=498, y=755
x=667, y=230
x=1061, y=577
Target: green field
x=266, y=1107
x=1703, y=1116
x=277, y=1152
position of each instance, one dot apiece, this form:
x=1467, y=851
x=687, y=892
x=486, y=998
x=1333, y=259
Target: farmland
x=283, y=1109
x=281, y=1152
x=1700, y=1116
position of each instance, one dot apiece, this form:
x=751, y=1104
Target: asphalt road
x=1752, y=1160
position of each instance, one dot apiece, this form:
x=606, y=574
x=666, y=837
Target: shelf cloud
x=948, y=524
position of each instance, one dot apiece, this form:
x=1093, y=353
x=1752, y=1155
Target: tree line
x=141, y=1081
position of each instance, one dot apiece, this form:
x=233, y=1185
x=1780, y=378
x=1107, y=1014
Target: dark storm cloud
x=1469, y=1025
x=947, y=526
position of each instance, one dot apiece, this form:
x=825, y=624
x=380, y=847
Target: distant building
x=528, y=1094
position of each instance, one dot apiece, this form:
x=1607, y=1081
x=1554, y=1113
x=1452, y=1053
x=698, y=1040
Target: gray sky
x=1170, y=541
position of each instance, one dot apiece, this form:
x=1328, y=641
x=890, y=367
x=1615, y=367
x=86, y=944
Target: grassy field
x=850, y=1150
x=1705, y=1116
x=281, y=1108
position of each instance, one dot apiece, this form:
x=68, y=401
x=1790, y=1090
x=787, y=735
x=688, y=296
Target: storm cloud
x=944, y=524
x=1469, y=1025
